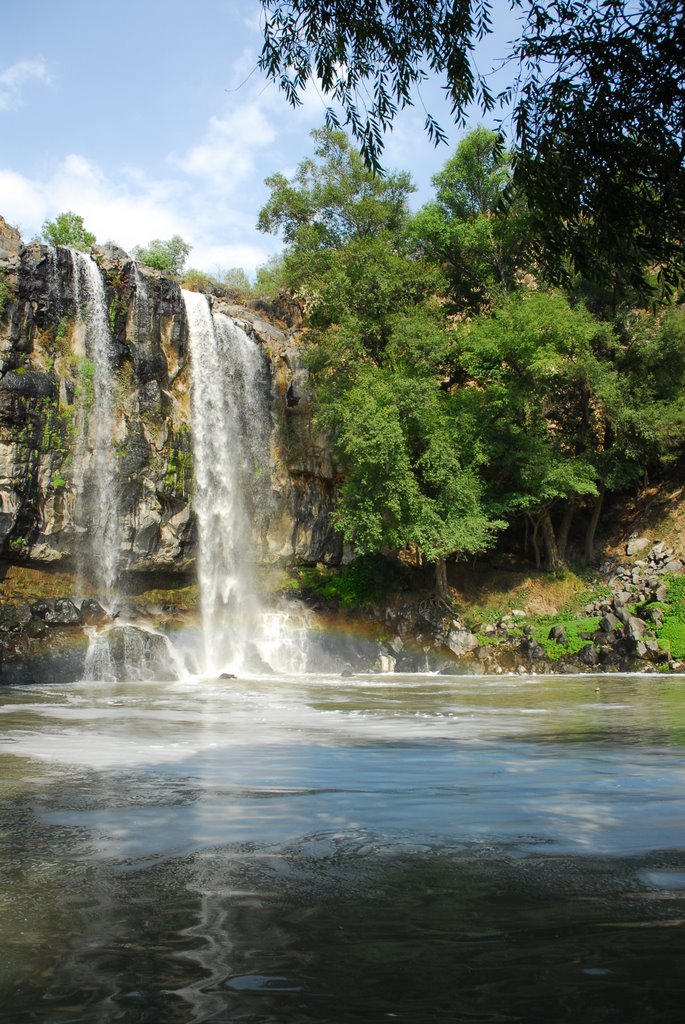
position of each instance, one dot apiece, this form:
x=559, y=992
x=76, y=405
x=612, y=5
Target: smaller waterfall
x=284, y=638
x=128, y=653
x=141, y=308
x=231, y=421
x=97, y=496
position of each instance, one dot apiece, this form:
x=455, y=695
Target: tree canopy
x=462, y=391
x=169, y=255
x=597, y=97
x=67, y=229
x=480, y=244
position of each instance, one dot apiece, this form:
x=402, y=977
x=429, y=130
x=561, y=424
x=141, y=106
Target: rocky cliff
x=49, y=418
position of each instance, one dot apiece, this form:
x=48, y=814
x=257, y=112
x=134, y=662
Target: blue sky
x=133, y=115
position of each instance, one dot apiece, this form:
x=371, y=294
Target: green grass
x=671, y=634
x=573, y=628
x=541, y=626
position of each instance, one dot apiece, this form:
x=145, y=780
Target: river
x=371, y=849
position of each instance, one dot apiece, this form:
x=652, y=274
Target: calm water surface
x=388, y=848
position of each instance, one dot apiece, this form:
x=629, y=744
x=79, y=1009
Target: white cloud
x=209, y=193
x=126, y=215
x=254, y=20
x=13, y=80
x=227, y=155
x=133, y=209
x=217, y=258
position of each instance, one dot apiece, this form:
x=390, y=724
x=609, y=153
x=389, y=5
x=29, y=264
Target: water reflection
x=317, y=850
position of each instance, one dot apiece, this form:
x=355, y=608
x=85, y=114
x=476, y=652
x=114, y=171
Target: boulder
x=588, y=656
x=622, y=613
x=609, y=622
x=634, y=628
x=460, y=642
x=532, y=649
x=59, y=611
x=396, y=645
x=636, y=544
x=129, y=654
x=92, y=612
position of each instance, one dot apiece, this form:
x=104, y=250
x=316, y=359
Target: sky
x=147, y=118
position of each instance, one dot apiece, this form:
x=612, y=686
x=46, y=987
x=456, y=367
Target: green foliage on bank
x=578, y=634
x=370, y=579
x=671, y=634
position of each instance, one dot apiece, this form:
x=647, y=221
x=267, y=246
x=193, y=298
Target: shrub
x=199, y=281
x=4, y=291
x=367, y=580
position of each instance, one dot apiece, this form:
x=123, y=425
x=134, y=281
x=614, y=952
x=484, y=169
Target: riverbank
x=626, y=615
x=381, y=615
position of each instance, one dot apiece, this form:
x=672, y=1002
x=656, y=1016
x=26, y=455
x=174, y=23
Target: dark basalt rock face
x=43, y=387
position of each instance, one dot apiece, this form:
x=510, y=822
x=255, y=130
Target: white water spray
x=230, y=415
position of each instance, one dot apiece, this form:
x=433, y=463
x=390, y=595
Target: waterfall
x=97, y=494
x=284, y=639
x=231, y=423
x=131, y=653
x=141, y=309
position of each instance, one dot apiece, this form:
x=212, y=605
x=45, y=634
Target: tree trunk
x=589, y=553
x=565, y=528
x=535, y=523
x=441, y=579
x=551, y=548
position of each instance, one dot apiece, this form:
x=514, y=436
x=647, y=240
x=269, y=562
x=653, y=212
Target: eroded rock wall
x=46, y=392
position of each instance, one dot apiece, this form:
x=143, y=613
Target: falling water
x=230, y=421
x=97, y=496
x=141, y=307
x=131, y=653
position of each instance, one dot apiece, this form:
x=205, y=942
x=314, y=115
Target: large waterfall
x=97, y=509
x=230, y=422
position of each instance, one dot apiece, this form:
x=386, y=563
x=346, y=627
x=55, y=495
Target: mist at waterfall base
x=309, y=849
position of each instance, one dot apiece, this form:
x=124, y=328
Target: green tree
x=339, y=223
x=169, y=255
x=537, y=391
x=378, y=345
x=569, y=408
x=67, y=229
x=600, y=150
x=333, y=198
x=408, y=483
x=236, y=277
x=479, y=245
x=598, y=108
